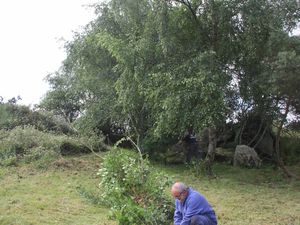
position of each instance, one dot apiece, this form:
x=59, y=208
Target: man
x=191, y=145
x=191, y=208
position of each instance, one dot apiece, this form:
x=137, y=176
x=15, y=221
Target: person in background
x=191, y=146
x=191, y=208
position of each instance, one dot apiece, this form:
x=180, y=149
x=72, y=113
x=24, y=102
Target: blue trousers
x=202, y=220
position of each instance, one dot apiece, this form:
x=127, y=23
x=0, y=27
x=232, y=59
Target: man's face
x=179, y=195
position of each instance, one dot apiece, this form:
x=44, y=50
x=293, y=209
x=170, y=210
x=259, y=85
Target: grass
x=36, y=197
x=51, y=195
x=247, y=196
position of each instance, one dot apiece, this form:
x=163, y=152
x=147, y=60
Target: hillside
x=62, y=193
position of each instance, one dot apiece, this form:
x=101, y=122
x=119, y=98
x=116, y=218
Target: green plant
x=134, y=190
x=28, y=144
x=88, y=195
x=12, y=116
x=196, y=167
x=290, y=144
x=25, y=144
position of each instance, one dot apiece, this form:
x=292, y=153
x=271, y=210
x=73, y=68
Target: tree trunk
x=256, y=135
x=239, y=134
x=210, y=151
x=261, y=137
x=278, y=159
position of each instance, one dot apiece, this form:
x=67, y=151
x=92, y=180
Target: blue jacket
x=194, y=204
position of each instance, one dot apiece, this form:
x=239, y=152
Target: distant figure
x=191, y=146
x=191, y=208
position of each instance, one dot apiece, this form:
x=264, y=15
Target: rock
x=246, y=156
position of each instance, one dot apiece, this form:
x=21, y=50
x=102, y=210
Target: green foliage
x=157, y=68
x=12, y=115
x=89, y=196
x=193, y=95
x=27, y=144
x=287, y=75
x=134, y=190
x=196, y=167
x=63, y=99
x=290, y=145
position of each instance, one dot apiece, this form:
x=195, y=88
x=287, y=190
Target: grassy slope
x=239, y=196
x=247, y=196
x=30, y=196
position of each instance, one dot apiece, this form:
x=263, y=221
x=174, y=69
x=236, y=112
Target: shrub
x=27, y=144
x=290, y=145
x=134, y=190
x=12, y=116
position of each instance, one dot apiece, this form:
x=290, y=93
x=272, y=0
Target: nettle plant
x=134, y=190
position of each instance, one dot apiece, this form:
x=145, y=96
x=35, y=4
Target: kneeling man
x=191, y=208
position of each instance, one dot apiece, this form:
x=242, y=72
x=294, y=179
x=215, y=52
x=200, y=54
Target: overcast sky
x=30, y=42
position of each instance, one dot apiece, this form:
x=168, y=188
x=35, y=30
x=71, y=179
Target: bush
x=290, y=145
x=12, y=116
x=27, y=144
x=134, y=190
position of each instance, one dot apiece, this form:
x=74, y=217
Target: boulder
x=246, y=156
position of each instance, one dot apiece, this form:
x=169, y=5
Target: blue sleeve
x=177, y=215
x=192, y=209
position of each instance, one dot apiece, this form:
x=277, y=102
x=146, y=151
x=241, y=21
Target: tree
x=193, y=90
x=159, y=67
x=136, y=51
x=287, y=76
x=63, y=99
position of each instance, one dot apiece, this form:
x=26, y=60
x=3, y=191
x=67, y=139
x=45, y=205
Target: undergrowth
x=134, y=190
x=29, y=145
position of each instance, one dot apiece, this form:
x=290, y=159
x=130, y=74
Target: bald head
x=180, y=191
x=179, y=187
